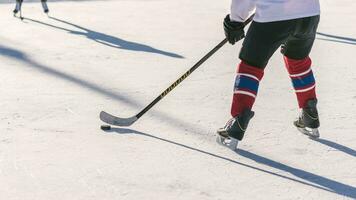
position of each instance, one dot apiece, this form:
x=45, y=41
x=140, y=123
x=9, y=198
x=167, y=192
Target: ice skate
x=223, y=139
x=234, y=130
x=308, y=121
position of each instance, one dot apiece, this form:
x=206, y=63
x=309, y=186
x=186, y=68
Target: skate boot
x=308, y=121
x=44, y=6
x=234, y=130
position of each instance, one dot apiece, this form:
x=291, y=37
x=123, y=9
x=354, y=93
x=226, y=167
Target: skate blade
x=311, y=132
x=230, y=143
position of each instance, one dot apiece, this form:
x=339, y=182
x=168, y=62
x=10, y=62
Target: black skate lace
x=230, y=123
x=238, y=123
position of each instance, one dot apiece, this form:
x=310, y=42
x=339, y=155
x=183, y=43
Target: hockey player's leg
x=261, y=41
x=298, y=64
x=304, y=84
x=17, y=6
x=44, y=6
x=245, y=91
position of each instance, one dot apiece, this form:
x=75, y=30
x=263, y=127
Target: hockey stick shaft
x=186, y=74
x=180, y=79
x=117, y=121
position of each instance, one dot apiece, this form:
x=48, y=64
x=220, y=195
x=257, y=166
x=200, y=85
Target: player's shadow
x=328, y=184
x=337, y=146
x=105, y=39
x=335, y=38
x=27, y=62
x=304, y=177
x=22, y=57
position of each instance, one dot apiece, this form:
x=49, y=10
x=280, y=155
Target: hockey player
x=289, y=24
x=19, y=5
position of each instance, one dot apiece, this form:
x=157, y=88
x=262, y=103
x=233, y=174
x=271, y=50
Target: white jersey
x=273, y=10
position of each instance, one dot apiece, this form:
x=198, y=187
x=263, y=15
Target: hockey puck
x=105, y=127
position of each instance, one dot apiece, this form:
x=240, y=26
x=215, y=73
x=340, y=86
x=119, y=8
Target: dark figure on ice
x=289, y=24
x=19, y=5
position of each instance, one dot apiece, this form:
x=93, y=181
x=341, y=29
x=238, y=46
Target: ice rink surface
x=57, y=73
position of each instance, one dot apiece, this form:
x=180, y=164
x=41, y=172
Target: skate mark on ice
x=328, y=185
x=105, y=39
x=337, y=146
x=317, y=180
x=22, y=57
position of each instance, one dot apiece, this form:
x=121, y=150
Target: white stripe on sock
x=245, y=93
x=301, y=74
x=249, y=75
x=306, y=89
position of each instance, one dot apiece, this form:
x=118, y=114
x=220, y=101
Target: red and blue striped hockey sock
x=245, y=88
x=302, y=78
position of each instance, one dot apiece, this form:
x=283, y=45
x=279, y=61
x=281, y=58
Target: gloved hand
x=234, y=31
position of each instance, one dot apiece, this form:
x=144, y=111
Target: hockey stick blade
x=116, y=121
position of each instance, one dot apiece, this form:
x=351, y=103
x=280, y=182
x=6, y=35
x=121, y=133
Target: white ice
x=58, y=73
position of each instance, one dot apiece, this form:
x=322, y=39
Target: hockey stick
x=117, y=121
